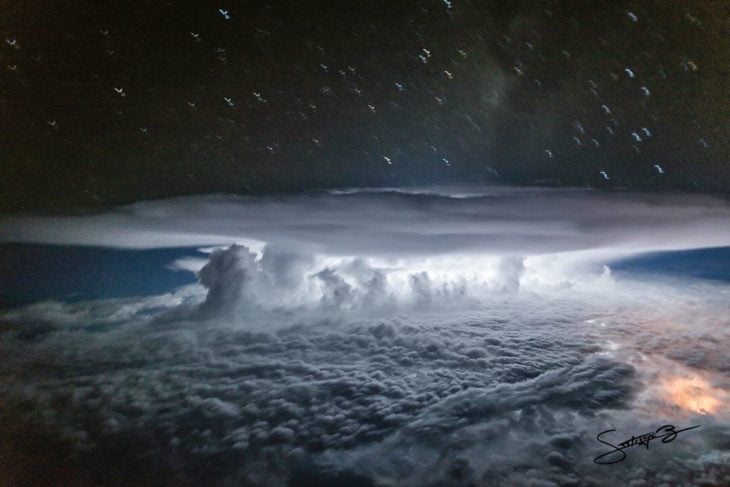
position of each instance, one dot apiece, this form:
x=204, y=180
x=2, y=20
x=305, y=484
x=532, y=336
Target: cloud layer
x=328, y=349
x=219, y=388
x=395, y=223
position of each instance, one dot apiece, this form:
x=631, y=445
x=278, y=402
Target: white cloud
x=357, y=341
x=499, y=220
x=512, y=391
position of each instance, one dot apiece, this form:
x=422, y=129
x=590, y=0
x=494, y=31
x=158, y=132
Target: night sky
x=366, y=243
x=105, y=103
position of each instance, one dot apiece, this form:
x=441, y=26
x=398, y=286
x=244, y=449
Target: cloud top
x=378, y=338
x=498, y=220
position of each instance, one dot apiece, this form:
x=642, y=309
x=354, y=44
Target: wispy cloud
x=401, y=222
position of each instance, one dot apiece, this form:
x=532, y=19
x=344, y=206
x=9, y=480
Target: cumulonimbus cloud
x=395, y=338
x=382, y=250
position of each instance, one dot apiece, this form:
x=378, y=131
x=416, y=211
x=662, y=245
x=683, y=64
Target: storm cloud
x=300, y=358
x=398, y=222
x=513, y=393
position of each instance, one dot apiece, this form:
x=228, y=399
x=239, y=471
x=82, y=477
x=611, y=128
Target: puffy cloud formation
x=249, y=287
x=378, y=338
x=242, y=380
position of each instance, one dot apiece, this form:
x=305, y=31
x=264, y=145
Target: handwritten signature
x=667, y=433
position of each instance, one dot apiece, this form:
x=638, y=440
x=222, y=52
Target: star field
x=105, y=103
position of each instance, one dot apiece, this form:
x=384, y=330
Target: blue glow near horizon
x=710, y=263
x=33, y=272
x=36, y=272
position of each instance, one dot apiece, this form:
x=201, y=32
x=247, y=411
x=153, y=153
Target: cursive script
x=666, y=433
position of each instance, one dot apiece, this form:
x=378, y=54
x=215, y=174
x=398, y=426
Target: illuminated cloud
x=401, y=223
x=511, y=391
x=488, y=344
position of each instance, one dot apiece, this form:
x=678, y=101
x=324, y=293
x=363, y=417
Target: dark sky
x=292, y=95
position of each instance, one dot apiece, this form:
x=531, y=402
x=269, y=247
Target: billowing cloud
x=364, y=350
x=512, y=390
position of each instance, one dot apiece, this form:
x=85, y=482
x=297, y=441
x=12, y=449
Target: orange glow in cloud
x=693, y=394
